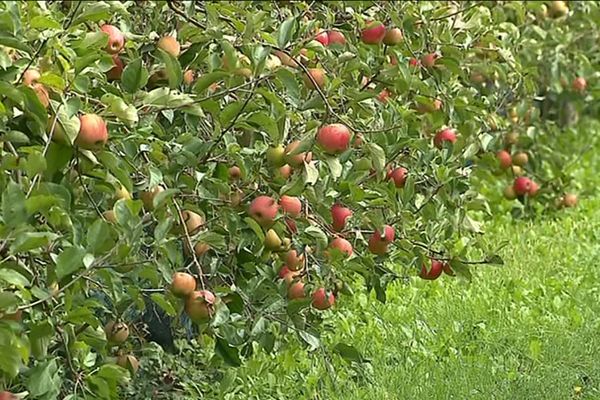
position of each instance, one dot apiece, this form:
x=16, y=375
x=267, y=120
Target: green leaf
x=53, y=80
x=256, y=228
x=265, y=123
x=42, y=22
x=310, y=339
x=7, y=300
x=173, y=69
x=117, y=106
x=377, y=156
x=208, y=79
x=31, y=240
x=95, y=11
x=8, y=40
x=348, y=352
x=13, y=205
x=163, y=303
x=134, y=77
x=69, y=261
x=67, y=125
x=228, y=353
x=98, y=237
x=230, y=112
x=12, y=277
x=286, y=32
x=116, y=167
x=310, y=173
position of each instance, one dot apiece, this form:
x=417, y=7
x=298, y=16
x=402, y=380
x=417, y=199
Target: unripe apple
x=517, y=170
x=504, y=159
x=321, y=300
x=290, y=205
x=520, y=159
x=373, y=33
x=579, y=84
x=116, y=332
x=339, y=215
x=42, y=94
x=170, y=45
x=193, y=221
x=432, y=273
x=110, y=216
x=189, y=76
x=522, y=185
x=393, y=37
x=413, y=62
x=116, y=40
x=276, y=156
x=445, y=135
x=296, y=291
x=293, y=260
x=114, y=74
x=285, y=59
x=509, y=192
x=264, y=210
x=272, y=240
x=318, y=76
x=336, y=37
x=398, y=175
x=127, y=361
x=558, y=9
x=199, y=306
x=245, y=72
x=93, y=133
x=542, y=12
x=323, y=38
x=31, y=76
x=182, y=284
x=342, y=245
x=428, y=60
x=234, y=172
x=147, y=197
x=334, y=138
x=295, y=160
x=533, y=189
x=569, y=200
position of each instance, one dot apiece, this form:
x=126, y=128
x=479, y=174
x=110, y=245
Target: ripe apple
x=445, y=135
x=520, y=159
x=504, y=159
x=533, y=189
x=378, y=243
x=428, y=60
x=434, y=272
x=398, y=175
x=189, y=76
x=323, y=38
x=336, y=37
x=522, y=185
x=569, y=200
x=193, y=221
x=147, y=197
x=447, y=268
x=276, y=155
x=114, y=74
x=116, y=40
x=264, y=210
x=334, y=138
x=293, y=260
x=413, y=62
x=393, y=37
x=373, y=33
x=579, y=84
x=342, y=245
x=127, y=361
x=317, y=75
x=509, y=192
x=296, y=160
x=339, y=215
x=296, y=291
x=93, y=133
x=285, y=171
x=7, y=396
x=285, y=59
x=31, y=76
x=199, y=306
x=170, y=45
x=321, y=300
x=234, y=172
x=272, y=240
x=290, y=205
x=201, y=248
x=116, y=332
x=558, y=9
x=287, y=274
x=384, y=96
x=42, y=94
x=182, y=284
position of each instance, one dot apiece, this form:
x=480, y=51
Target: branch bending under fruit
x=188, y=242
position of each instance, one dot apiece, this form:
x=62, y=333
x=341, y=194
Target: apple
x=201, y=248
x=579, y=84
x=290, y=205
x=558, y=9
x=296, y=160
x=378, y=243
x=129, y=362
x=428, y=60
x=189, y=76
x=425, y=107
x=445, y=135
x=447, y=268
x=193, y=221
x=170, y=45
x=7, y=396
x=276, y=155
x=110, y=216
x=234, y=172
x=263, y=210
x=296, y=291
x=339, y=215
x=533, y=189
x=434, y=272
x=122, y=193
x=342, y=245
x=393, y=37
x=336, y=37
x=114, y=74
x=517, y=170
x=93, y=133
x=245, y=72
x=116, y=332
x=509, y=192
x=147, y=197
x=285, y=171
x=31, y=76
x=413, y=62
x=317, y=75
x=42, y=94
x=321, y=300
x=199, y=306
x=522, y=185
x=398, y=175
x=272, y=241
x=323, y=38
x=373, y=33
x=285, y=59
x=116, y=40
x=384, y=96
x=182, y=284
x=287, y=274
x=504, y=159
x=569, y=200
x=293, y=260
x=334, y=138
x=520, y=159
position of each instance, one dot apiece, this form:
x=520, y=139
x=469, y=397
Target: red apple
x=116, y=40
x=321, y=300
x=287, y=274
x=447, y=268
x=31, y=76
x=323, y=38
x=170, y=45
x=234, y=172
x=393, y=37
x=522, y=185
x=373, y=33
x=579, y=84
x=445, y=135
x=42, y=94
x=182, y=284
x=293, y=260
x=384, y=96
x=336, y=37
x=264, y=210
x=114, y=74
x=199, y=306
x=378, y=244
x=7, y=396
x=93, y=133
x=434, y=272
x=291, y=225
x=533, y=189
x=342, y=245
x=285, y=171
x=296, y=160
x=296, y=291
x=290, y=205
x=413, y=62
x=398, y=175
x=569, y=200
x=189, y=76
x=317, y=74
x=504, y=159
x=428, y=60
x=334, y=138
x=339, y=215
